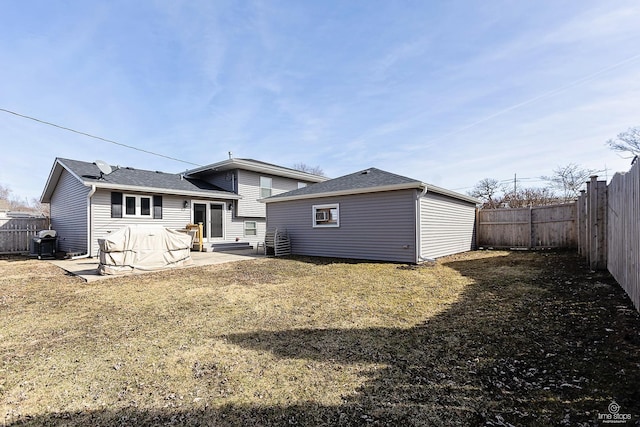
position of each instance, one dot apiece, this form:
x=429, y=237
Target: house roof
x=370, y=180
x=130, y=179
x=256, y=166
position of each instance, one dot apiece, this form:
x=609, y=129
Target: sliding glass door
x=211, y=215
x=217, y=220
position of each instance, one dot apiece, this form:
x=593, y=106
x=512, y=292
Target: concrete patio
x=87, y=268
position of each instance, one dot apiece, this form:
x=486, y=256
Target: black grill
x=44, y=247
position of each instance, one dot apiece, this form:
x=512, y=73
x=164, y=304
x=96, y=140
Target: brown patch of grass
x=477, y=338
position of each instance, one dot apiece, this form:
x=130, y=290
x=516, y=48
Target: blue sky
x=447, y=92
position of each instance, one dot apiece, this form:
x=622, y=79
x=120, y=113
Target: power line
x=506, y=181
x=98, y=137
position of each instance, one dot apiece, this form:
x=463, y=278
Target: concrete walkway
x=87, y=268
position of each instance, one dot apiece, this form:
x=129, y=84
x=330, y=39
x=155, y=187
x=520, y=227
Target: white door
x=211, y=215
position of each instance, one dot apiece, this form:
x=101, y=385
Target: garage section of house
x=374, y=215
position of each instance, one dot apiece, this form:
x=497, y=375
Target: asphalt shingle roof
x=89, y=172
x=368, y=178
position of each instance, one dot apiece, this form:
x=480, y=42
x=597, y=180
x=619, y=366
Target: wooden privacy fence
x=611, y=228
x=16, y=233
x=592, y=223
x=536, y=227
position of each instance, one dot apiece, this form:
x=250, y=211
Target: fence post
x=581, y=222
x=601, y=262
x=588, y=241
x=477, y=229
x=531, y=239
x=597, y=224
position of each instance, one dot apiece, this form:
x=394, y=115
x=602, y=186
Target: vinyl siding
x=224, y=180
x=235, y=229
x=249, y=189
x=375, y=226
x=69, y=213
x=174, y=215
x=446, y=225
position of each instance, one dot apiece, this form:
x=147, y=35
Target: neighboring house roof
x=19, y=214
x=130, y=179
x=370, y=180
x=257, y=166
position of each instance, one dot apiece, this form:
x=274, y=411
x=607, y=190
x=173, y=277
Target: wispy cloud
x=443, y=92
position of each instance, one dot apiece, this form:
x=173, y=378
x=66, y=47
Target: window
x=157, y=207
x=326, y=215
x=116, y=205
x=137, y=205
x=145, y=206
x=134, y=205
x=250, y=228
x=130, y=205
x=265, y=187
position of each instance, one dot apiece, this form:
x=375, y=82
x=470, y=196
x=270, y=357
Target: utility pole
x=515, y=189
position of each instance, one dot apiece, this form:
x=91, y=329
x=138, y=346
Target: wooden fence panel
x=554, y=226
x=504, y=228
x=604, y=225
x=16, y=233
x=538, y=227
x=623, y=231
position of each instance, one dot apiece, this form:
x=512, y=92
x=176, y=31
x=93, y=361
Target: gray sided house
x=374, y=215
x=87, y=204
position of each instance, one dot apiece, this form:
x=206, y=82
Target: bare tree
x=489, y=191
x=569, y=179
x=17, y=204
x=529, y=197
x=5, y=192
x=303, y=167
x=41, y=208
x=627, y=142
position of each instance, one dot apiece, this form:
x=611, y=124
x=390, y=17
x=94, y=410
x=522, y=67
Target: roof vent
x=365, y=172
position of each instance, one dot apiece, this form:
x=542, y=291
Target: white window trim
x=270, y=187
x=208, y=204
x=255, y=228
x=335, y=206
x=138, y=207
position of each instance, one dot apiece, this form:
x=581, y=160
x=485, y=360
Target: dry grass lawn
x=484, y=338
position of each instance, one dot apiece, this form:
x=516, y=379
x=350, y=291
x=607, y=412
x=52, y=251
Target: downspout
x=233, y=190
x=419, y=256
x=88, y=254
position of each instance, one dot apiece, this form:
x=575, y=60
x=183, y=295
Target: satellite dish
x=104, y=167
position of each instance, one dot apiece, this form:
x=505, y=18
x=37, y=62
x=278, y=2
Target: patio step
x=231, y=246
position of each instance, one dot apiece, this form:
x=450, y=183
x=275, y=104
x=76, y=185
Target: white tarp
x=143, y=248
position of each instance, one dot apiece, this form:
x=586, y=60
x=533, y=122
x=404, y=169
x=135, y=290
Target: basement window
x=326, y=215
